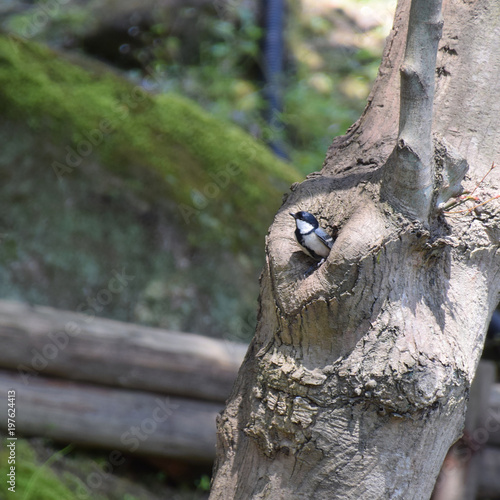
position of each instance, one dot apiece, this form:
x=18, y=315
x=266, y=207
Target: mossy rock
x=99, y=176
x=198, y=159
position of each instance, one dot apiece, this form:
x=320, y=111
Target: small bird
x=313, y=240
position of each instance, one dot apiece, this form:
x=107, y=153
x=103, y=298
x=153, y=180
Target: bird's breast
x=312, y=242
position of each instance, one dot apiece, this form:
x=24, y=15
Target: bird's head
x=305, y=221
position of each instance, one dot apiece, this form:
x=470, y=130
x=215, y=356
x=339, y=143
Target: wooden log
x=47, y=341
x=115, y=419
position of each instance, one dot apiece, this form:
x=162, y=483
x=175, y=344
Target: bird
x=313, y=240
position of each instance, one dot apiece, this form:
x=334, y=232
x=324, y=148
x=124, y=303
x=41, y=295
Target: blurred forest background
x=136, y=143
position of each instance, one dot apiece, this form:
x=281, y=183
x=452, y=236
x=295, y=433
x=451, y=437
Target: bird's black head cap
x=307, y=217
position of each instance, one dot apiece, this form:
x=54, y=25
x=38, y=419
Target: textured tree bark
x=408, y=174
x=356, y=382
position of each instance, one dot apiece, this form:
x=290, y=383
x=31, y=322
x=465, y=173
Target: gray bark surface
x=356, y=382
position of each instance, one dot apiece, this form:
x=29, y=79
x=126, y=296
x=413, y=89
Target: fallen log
x=42, y=340
x=114, y=419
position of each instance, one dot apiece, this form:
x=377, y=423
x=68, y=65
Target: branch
x=409, y=172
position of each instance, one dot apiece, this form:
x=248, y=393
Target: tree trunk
x=356, y=382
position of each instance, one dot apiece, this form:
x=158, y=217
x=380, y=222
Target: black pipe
x=273, y=71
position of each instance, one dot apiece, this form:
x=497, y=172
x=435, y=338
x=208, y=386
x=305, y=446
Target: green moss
x=121, y=180
x=88, y=227
x=44, y=471
x=212, y=171
x=33, y=481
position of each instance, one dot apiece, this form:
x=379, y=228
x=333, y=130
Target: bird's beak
x=293, y=215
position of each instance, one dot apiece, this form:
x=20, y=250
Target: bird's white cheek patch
x=304, y=227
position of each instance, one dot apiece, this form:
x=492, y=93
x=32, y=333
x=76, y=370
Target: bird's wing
x=324, y=237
